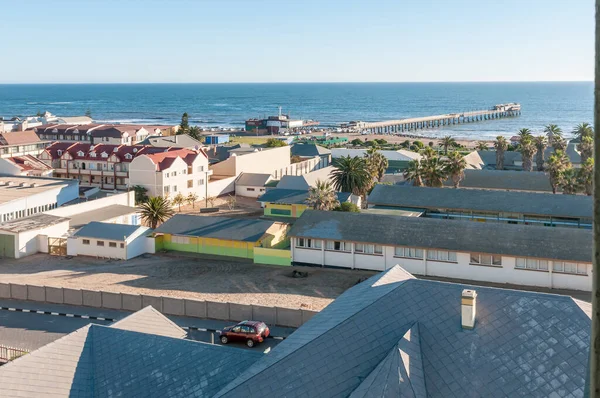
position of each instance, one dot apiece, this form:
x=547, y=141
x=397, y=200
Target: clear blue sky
x=60, y=41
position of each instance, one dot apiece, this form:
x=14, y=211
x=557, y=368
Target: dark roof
x=394, y=335
x=109, y=231
x=253, y=179
x=180, y=140
x=572, y=244
x=510, y=157
x=294, y=196
x=543, y=204
x=308, y=150
x=216, y=227
x=101, y=214
x=505, y=179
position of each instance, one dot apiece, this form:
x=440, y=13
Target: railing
x=9, y=353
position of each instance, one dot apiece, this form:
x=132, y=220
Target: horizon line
x=306, y=82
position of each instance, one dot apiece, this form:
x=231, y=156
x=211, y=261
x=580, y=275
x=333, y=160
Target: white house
x=30, y=235
x=502, y=253
x=169, y=173
x=251, y=185
x=120, y=241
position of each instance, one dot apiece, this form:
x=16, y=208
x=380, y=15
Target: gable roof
x=28, y=163
x=109, y=231
x=307, y=180
x=149, y=320
x=18, y=137
x=164, y=159
x=505, y=179
x=523, y=344
x=569, y=244
x=532, y=203
x=246, y=230
x=308, y=150
x=253, y=179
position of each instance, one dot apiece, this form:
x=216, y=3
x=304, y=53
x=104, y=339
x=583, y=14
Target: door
x=57, y=246
x=7, y=246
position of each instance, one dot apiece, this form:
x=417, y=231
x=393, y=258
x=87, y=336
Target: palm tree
x=586, y=148
x=501, y=145
x=322, y=196
x=583, y=130
x=551, y=131
x=455, y=167
x=155, y=210
x=524, y=132
x=447, y=142
x=377, y=163
x=527, y=149
x=191, y=199
x=558, y=162
x=434, y=172
x=141, y=194
x=178, y=200
x=194, y=132
x=414, y=172
x=569, y=181
x=428, y=152
x=482, y=146
x=351, y=175
x=559, y=143
x=586, y=176
x=540, y=145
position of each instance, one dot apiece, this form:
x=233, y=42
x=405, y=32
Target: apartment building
x=20, y=143
x=114, y=134
x=168, y=173
x=558, y=258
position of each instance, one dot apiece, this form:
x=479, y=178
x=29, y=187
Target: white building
x=170, y=173
x=30, y=235
x=107, y=240
x=251, y=185
x=25, y=165
x=502, y=253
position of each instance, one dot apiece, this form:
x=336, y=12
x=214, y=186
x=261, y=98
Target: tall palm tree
x=455, y=167
x=428, y=152
x=540, y=145
x=586, y=148
x=351, y=175
x=447, y=142
x=414, y=172
x=501, y=145
x=156, y=210
x=524, y=132
x=178, y=200
x=551, y=131
x=559, y=143
x=434, y=172
x=482, y=146
x=322, y=196
x=586, y=176
x=558, y=162
x=527, y=149
x=377, y=163
x=583, y=130
x=194, y=132
x=569, y=181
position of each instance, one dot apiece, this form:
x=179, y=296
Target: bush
x=356, y=142
x=405, y=144
x=347, y=206
x=370, y=143
x=381, y=141
x=274, y=143
x=418, y=144
x=431, y=144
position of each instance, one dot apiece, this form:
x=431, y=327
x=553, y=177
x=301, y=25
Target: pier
x=426, y=122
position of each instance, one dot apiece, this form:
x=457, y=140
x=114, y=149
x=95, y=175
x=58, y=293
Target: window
x=441, y=255
x=166, y=189
x=127, y=156
x=201, y=181
x=569, y=268
x=485, y=259
x=182, y=240
x=408, y=252
x=99, y=243
x=190, y=170
x=112, y=244
x=371, y=249
x=532, y=263
x=200, y=168
x=308, y=243
x=122, y=245
x=359, y=248
x=174, y=188
x=190, y=183
x=86, y=241
x=250, y=189
x=339, y=246
x=281, y=212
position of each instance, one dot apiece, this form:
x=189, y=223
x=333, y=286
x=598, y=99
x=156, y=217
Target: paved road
x=30, y=331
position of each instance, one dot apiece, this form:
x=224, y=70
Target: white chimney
x=468, y=307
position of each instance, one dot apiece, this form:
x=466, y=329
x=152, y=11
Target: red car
x=252, y=332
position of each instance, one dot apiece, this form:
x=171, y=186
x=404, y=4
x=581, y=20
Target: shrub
x=418, y=144
x=347, y=206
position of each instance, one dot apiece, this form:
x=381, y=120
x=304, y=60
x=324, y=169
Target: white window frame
x=492, y=260
x=408, y=252
x=445, y=256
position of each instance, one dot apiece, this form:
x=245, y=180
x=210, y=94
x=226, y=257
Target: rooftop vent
x=2, y=183
x=468, y=308
x=24, y=184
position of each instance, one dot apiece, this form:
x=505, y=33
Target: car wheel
x=224, y=340
x=250, y=343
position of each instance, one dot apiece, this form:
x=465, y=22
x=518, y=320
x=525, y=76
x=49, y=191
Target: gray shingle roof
x=505, y=179
x=31, y=223
x=523, y=344
x=307, y=180
x=149, y=320
x=531, y=203
x=253, y=179
x=571, y=244
x=308, y=150
x=179, y=141
x=295, y=196
x=216, y=227
x=109, y=231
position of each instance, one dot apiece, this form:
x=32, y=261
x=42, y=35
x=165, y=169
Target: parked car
x=251, y=332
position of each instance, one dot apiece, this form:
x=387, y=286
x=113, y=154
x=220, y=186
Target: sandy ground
x=186, y=277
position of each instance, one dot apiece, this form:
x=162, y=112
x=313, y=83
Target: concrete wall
x=219, y=247
x=461, y=269
x=265, y=161
x=221, y=187
x=168, y=305
x=249, y=191
x=124, y=198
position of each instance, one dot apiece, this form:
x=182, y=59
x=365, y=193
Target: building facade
x=93, y=133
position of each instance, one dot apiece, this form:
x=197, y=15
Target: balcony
x=96, y=172
x=122, y=174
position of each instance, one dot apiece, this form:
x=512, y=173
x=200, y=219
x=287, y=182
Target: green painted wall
x=211, y=246
x=272, y=256
x=7, y=246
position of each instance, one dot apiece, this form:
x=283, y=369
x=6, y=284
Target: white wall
x=266, y=161
x=221, y=187
x=124, y=198
x=9, y=168
x=31, y=242
x=242, y=190
x=136, y=244
x=461, y=269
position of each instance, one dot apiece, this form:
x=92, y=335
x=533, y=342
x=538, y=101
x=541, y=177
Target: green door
x=7, y=246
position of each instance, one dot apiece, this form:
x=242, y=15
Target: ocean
x=229, y=105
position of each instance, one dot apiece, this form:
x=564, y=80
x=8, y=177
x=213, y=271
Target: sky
x=137, y=41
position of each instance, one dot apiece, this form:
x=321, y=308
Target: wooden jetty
x=418, y=123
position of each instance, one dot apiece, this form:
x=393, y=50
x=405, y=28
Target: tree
x=527, y=149
x=428, y=152
x=88, y=113
x=500, y=144
x=141, y=194
x=482, y=146
x=295, y=159
x=184, y=125
x=540, y=146
x=586, y=148
x=559, y=143
x=558, y=162
x=39, y=113
x=322, y=196
x=524, y=132
x=347, y=207
x=583, y=130
x=552, y=130
x=447, y=142
x=376, y=163
x=434, y=172
x=156, y=210
x=274, y=143
x=351, y=175
x=418, y=144
x=586, y=176
x=569, y=181
x=192, y=198
x=414, y=173
x=231, y=202
x=455, y=167
x=178, y=200
x=211, y=201
x=194, y=132
x=356, y=142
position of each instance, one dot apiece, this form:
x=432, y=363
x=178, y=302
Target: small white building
x=559, y=258
x=30, y=235
x=251, y=185
x=107, y=240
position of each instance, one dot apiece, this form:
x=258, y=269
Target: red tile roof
x=28, y=162
x=164, y=160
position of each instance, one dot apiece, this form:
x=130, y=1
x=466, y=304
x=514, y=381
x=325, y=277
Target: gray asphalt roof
x=149, y=320
x=109, y=231
x=246, y=230
x=101, y=214
x=523, y=344
x=36, y=221
x=294, y=196
x=306, y=150
x=253, y=179
x=532, y=203
x=307, y=180
x=181, y=140
x=572, y=244
x=505, y=179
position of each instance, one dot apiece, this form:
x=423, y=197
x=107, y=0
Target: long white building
x=558, y=258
